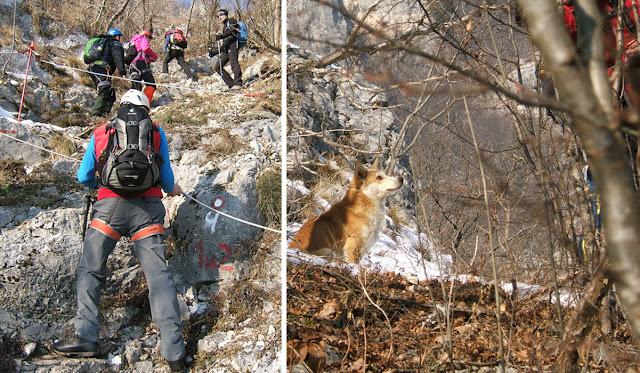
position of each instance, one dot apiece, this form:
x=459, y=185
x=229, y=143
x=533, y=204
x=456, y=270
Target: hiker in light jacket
x=140, y=66
x=112, y=59
x=228, y=47
x=172, y=51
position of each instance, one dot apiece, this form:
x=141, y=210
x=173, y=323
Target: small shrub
x=12, y=171
x=225, y=144
x=34, y=189
x=270, y=195
x=62, y=144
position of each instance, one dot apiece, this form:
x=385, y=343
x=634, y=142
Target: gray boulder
x=214, y=245
x=19, y=150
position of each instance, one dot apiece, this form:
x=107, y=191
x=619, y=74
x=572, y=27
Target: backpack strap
x=101, y=139
x=157, y=140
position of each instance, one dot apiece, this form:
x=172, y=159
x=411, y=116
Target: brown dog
x=350, y=227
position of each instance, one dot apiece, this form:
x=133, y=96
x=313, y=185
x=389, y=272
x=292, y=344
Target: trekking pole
x=88, y=212
x=219, y=58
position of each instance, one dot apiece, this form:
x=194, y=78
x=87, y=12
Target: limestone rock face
x=319, y=28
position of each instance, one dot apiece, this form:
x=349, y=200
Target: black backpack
x=130, y=52
x=130, y=164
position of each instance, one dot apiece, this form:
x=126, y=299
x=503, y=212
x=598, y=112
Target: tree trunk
x=117, y=14
x=582, y=84
x=193, y=3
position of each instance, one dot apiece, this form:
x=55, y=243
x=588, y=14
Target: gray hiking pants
x=141, y=219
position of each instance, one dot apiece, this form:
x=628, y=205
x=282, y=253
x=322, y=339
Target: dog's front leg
x=351, y=250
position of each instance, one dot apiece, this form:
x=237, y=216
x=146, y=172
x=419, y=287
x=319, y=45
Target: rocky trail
x=223, y=146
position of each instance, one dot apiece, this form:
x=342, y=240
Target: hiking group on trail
x=108, y=55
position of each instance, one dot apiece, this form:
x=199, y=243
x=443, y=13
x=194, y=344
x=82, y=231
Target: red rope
x=26, y=76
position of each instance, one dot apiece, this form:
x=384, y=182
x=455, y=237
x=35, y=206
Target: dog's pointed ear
x=361, y=172
x=376, y=164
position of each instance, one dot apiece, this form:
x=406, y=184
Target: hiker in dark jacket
x=112, y=59
x=227, y=46
x=172, y=51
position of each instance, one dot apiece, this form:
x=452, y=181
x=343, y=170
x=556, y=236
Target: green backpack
x=94, y=49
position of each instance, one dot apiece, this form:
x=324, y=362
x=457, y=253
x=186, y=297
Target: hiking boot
x=178, y=365
x=76, y=347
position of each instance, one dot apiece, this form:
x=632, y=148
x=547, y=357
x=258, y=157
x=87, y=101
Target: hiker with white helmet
x=110, y=58
x=133, y=169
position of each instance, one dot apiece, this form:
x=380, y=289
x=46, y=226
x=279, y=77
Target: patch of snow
x=412, y=256
x=114, y=359
x=8, y=114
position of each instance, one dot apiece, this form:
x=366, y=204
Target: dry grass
x=62, y=144
x=7, y=31
x=61, y=82
x=191, y=114
x=86, y=80
x=34, y=189
x=269, y=195
x=310, y=206
x=395, y=213
x=224, y=144
x=76, y=63
x=271, y=90
x=74, y=116
x=246, y=300
x=12, y=171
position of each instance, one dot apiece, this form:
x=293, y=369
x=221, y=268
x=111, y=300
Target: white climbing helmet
x=133, y=96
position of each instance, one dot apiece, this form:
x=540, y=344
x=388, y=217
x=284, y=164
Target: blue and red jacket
x=87, y=173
